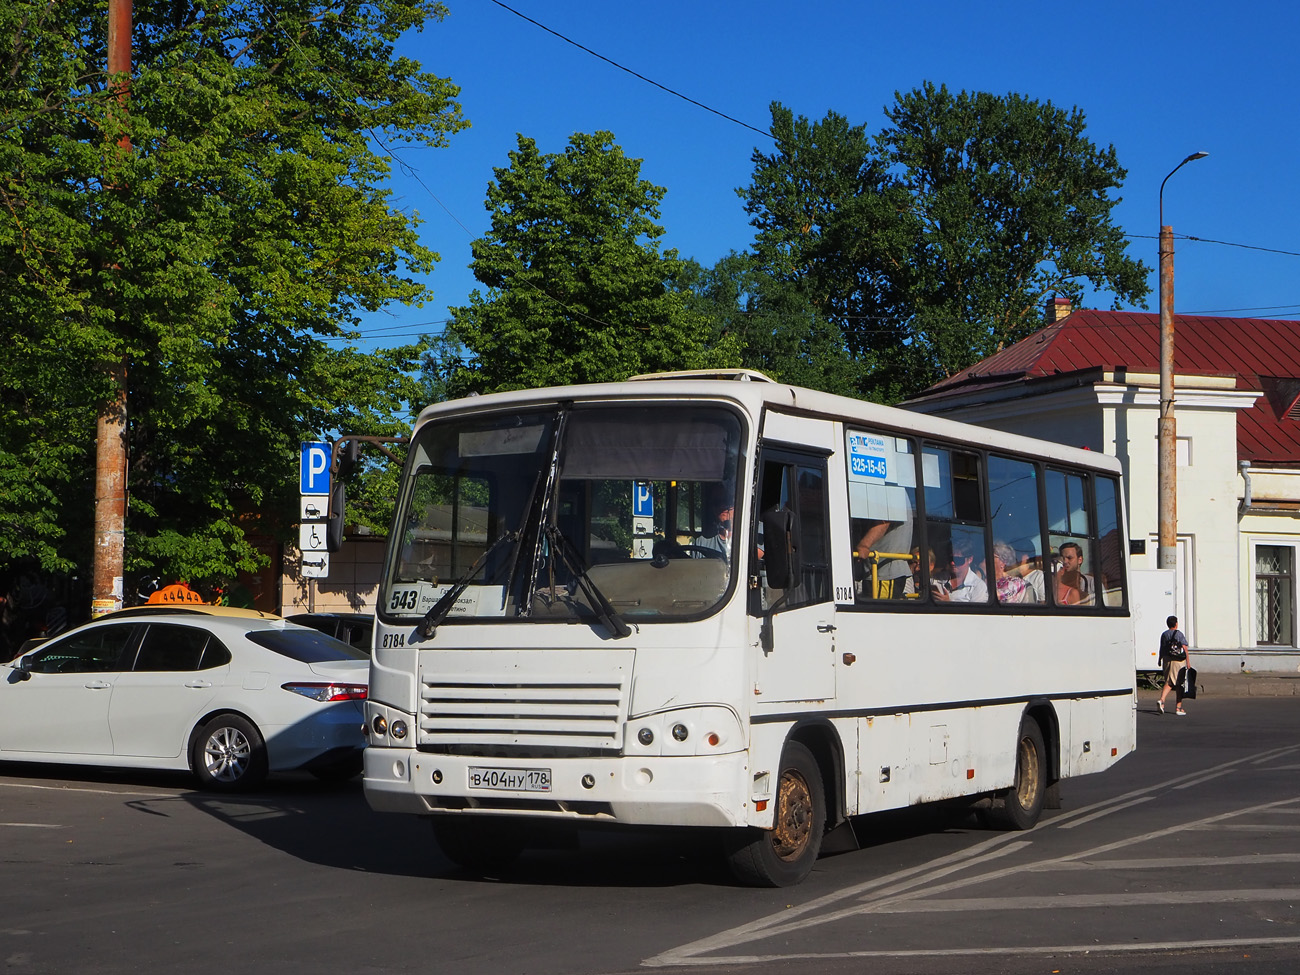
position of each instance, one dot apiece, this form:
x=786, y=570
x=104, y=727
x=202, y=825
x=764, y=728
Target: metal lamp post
x=1167, y=455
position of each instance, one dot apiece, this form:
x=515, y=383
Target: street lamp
x=1167, y=454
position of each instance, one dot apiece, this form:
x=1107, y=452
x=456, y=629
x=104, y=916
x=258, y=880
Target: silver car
x=228, y=694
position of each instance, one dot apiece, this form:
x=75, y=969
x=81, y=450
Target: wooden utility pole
x=110, y=429
x=1167, y=430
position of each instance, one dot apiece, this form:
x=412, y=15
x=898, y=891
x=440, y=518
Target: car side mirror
x=23, y=668
x=781, y=548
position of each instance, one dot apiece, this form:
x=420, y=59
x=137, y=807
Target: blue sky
x=1156, y=80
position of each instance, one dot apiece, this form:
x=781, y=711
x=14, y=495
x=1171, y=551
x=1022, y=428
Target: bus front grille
x=557, y=699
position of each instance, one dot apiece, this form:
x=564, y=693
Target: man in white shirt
x=965, y=586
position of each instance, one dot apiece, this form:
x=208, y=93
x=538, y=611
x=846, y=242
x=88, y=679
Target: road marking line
x=1084, y=949
x=96, y=792
x=760, y=926
x=1205, y=778
x=1258, y=827
x=1106, y=812
x=1155, y=863
x=897, y=893
x=961, y=905
x=35, y=825
x=1107, y=804
x=1275, y=753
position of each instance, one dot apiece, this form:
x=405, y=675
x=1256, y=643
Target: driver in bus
x=722, y=510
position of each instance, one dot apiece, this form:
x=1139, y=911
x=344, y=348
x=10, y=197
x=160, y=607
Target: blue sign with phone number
x=868, y=466
x=868, y=457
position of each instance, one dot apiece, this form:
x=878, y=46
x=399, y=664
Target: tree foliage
x=780, y=331
x=245, y=230
x=935, y=243
x=577, y=289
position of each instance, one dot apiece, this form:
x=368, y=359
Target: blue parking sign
x=643, y=501
x=314, y=468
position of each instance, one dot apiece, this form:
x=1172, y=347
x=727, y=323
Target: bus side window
x=1016, y=568
x=882, y=516
x=1110, y=543
x=1073, y=580
x=955, y=526
x=799, y=485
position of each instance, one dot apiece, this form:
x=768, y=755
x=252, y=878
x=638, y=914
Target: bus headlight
x=706, y=730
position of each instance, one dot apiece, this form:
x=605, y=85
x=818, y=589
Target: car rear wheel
x=229, y=754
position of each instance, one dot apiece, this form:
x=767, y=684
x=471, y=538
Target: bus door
x=792, y=629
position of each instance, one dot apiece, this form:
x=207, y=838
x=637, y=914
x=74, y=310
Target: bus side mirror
x=334, y=526
x=781, y=548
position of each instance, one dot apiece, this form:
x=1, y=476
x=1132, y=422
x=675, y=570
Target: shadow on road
x=330, y=824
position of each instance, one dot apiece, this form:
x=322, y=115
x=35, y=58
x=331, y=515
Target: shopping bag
x=1187, y=680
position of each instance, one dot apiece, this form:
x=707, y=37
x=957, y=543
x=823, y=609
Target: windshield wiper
x=426, y=627
x=604, y=608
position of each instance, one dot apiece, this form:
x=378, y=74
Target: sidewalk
x=1241, y=685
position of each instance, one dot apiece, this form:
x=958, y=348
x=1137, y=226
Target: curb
x=1242, y=685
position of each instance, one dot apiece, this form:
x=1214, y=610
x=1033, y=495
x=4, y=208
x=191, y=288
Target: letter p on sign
x=314, y=468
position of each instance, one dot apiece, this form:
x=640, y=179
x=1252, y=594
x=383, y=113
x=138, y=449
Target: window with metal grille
x=1274, y=595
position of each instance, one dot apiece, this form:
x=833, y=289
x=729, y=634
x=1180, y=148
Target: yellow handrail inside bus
x=873, y=558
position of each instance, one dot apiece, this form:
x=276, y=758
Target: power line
x=1225, y=243
x=635, y=74
x=1249, y=247
x=414, y=174
x=1231, y=311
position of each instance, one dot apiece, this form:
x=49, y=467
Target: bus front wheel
x=784, y=855
x=1019, y=807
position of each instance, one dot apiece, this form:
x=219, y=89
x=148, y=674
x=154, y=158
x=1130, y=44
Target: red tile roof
x=1263, y=354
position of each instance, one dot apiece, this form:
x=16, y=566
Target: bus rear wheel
x=784, y=855
x=1019, y=807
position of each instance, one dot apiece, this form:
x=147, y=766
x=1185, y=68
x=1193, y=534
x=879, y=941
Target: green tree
x=780, y=331
x=246, y=229
x=577, y=290
x=935, y=243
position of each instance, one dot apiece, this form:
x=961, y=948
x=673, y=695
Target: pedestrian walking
x=1173, y=658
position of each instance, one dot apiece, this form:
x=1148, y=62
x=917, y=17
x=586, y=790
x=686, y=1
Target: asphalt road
x=1185, y=857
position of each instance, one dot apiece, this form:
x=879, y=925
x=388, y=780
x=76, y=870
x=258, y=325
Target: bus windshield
x=539, y=515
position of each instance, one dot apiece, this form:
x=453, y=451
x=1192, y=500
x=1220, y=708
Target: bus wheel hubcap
x=794, y=814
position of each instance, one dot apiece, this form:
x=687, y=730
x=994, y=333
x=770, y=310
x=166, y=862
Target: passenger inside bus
x=965, y=586
x=1074, y=587
x=880, y=566
x=912, y=587
x=1010, y=585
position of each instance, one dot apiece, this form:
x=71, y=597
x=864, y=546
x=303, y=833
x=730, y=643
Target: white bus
x=712, y=600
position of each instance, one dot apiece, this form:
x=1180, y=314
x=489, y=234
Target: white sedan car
x=228, y=694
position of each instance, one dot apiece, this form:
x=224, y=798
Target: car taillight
x=329, y=692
